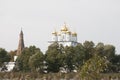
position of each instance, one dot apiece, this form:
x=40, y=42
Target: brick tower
x=21, y=44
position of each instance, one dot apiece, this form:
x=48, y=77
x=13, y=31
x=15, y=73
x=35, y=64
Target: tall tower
x=21, y=43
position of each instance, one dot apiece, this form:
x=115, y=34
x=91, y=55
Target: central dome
x=64, y=28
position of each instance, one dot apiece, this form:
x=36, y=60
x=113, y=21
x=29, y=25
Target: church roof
x=21, y=33
x=65, y=30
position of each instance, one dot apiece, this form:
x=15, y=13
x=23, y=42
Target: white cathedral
x=64, y=37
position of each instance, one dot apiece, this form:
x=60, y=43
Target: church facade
x=64, y=37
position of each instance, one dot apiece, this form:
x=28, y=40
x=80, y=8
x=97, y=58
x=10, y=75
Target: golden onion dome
x=74, y=34
x=54, y=33
x=68, y=32
x=64, y=28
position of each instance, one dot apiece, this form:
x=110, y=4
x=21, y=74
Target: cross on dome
x=64, y=28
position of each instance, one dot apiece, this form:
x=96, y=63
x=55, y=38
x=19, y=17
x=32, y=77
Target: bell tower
x=21, y=43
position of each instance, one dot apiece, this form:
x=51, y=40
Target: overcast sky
x=93, y=20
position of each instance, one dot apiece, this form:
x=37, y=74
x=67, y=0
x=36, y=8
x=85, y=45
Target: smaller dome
x=68, y=32
x=54, y=33
x=74, y=34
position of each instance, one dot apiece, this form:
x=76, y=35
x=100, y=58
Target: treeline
x=86, y=58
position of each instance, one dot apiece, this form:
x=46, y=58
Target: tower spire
x=21, y=43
